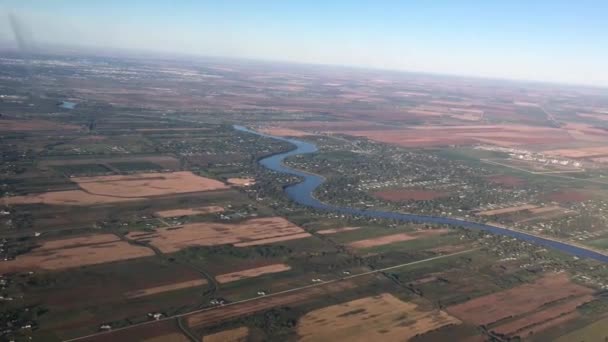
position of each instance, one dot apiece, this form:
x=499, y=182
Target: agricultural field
x=139, y=212
x=249, y=233
x=382, y=316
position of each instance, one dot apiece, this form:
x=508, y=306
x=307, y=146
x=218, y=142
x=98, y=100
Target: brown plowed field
x=382, y=317
x=583, y=152
x=113, y=189
x=284, y=132
x=165, y=288
x=396, y=195
x=427, y=136
x=249, y=232
x=232, y=335
x=382, y=240
x=75, y=252
x=252, y=272
x=189, y=211
x=272, y=240
x=518, y=300
x=69, y=197
x=215, y=316
x=549, y=314
x=148, y=184
x=569, y=195
x=388, y=239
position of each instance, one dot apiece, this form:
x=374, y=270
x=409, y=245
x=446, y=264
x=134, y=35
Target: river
x=302, y=193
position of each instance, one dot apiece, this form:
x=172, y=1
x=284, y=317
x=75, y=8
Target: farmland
x=75, y=252
x=530, y=302
x=251, y=232
x=142, y=214
x=382, y=316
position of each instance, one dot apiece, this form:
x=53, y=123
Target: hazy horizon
x=547, y=41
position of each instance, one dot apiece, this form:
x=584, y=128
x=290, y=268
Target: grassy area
x=136, y=166
x=600, y=243
x=81, y=169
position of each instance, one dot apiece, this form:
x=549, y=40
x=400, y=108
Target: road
x=352, y=276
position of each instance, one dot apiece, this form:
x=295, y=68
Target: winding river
x=302, y=193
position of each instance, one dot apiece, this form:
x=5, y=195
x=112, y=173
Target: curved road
x=302, y=193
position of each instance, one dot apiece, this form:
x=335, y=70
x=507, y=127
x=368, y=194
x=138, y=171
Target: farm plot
x=189, y=211
x=336, y=230
x=164, y=331
x=384, y=317
x=501, y=135
x=112, y=189
x=593, y=332
x=119, y=162
x=212, y=317
x=394, y=238
x=75, y=252
x=231, y=335
x=570, y=195
x=69, y=197
x=545, y=318
x=527, y=301
x=247, y=233
x=284, y=132
x=165, y=288
x=252, y=272
x=527, y=213
x=147, y=184
x=583, y=152
x=13, y=125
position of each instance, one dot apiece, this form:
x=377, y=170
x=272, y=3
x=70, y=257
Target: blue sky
x=562, y=41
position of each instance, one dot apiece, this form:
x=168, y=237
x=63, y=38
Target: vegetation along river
x=302, y=193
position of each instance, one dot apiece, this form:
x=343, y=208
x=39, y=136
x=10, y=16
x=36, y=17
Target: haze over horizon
x=553, y=41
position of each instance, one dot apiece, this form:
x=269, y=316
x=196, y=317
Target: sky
x=554, y=41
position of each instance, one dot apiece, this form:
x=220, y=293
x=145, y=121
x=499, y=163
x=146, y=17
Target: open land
x=252, y=272
x=232, y=335
x=111, y=189
x=189, y=211
x=531, y=302
x=393, y=238
x=147, y=184
x=336, y=230
x=209, y=318
x=165, y=288
x=241, y=181
x=149, y=149
x=592, y=332
x=246, y=233
x=383, y=316
x=75, y=252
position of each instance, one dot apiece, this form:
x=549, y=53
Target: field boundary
x=177, y=316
